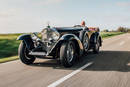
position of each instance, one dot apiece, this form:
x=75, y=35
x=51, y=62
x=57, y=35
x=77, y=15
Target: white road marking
x=69, y=75
x=121, y=43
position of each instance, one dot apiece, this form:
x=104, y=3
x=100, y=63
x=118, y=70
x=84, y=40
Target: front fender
x=27, y=40
x=68, y=37
x=24, y=36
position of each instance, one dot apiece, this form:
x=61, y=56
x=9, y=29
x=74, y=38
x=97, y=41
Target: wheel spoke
x=70, y=52
x=85, y=42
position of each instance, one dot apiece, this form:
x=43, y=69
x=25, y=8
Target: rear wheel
x=96, y=46
x=85, y=42
x=67, y=54
x=24, y=54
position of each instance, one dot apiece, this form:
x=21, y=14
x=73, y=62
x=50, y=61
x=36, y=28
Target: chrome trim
x=37, y=53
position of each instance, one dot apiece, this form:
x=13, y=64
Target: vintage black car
x=62, y=43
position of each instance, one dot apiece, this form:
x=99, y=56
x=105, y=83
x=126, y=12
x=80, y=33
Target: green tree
x=106, y=30
x=122, y=29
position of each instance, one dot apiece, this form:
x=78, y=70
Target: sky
x=33, y=15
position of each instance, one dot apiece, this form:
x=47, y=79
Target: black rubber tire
x=96, y=46
x=23, y=54
x=63, y=54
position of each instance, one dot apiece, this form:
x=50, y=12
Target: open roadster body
x=61, y=43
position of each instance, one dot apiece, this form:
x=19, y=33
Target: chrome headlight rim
x=54, y=34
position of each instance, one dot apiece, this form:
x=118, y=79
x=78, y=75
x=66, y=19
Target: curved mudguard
x=27, y=40
x=93, y=38
x=100, y=38
x=72, y=37
x=68, y=37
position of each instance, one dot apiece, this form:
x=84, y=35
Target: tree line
x=119, y=29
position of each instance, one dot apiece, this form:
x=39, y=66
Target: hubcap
x=70, y=52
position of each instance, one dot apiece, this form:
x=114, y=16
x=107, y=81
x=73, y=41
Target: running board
x=37, y=53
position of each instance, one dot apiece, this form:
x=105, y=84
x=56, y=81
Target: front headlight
x=50, y=34
x=55, y=36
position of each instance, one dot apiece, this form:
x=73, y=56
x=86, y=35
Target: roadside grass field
x=9, y=45
x=110, y=34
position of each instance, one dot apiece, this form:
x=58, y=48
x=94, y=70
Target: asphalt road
x=109, y=68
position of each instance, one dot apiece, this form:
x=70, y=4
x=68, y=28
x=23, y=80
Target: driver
x=83, y=23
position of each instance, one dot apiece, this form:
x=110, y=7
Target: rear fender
x=27, y=40
x=94, y=38
x=100, y=38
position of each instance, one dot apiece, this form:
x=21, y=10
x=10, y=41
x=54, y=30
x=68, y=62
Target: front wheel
x=24, y=56
x=67, y=54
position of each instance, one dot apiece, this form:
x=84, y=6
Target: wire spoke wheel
x=70, y=52
x=86, y=42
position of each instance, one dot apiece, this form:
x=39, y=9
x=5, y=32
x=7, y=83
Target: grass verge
x=8, y=47
x=110, y=34
x=6, y=59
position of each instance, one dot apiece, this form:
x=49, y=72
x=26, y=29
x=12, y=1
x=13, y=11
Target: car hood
x=68, y=29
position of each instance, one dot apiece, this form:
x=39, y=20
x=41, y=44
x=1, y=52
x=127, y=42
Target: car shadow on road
x=111, y=61
x=104, y=61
